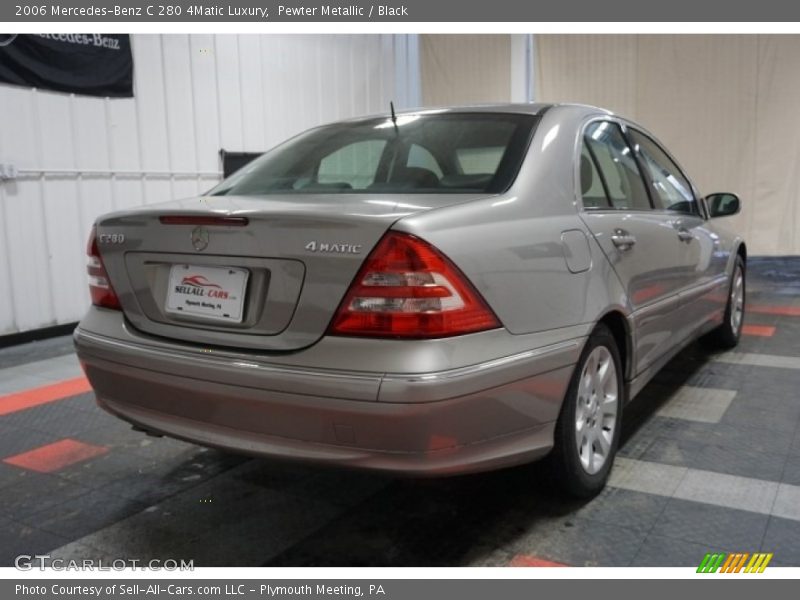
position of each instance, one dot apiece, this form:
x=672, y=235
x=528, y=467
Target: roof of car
x=529, y=108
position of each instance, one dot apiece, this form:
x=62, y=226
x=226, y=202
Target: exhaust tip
x=146, y=431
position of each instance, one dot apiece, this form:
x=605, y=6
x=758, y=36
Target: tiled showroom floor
x=710, y=461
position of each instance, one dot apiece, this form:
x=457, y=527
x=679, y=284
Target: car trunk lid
x=262, y=273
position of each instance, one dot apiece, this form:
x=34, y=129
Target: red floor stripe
x=524, y=560
x=758, y=330
x=768, y=309
x=42, y=395
x=56, y=456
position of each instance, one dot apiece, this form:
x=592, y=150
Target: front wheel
x=588, y=428
x=727, y=335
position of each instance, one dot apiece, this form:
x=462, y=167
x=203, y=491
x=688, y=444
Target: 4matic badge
x=336, y=248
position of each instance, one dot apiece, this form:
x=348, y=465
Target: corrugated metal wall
x=193, y=95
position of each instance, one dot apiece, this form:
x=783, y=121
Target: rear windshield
x=439, y=153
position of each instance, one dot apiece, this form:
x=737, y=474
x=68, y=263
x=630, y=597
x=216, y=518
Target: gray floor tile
x=115, y=433
x=10, y=475
x=108, y=468
x=731, y=491
x=35, y=493
x=773, y=393
x=783, y=539
x=581, y=542
x=741, y=461
x=84, y=514
x=791, y=471
x=154, y=481
x=274, y=475
x=486, y=556
x=16, y=440
x=787, y=502
x=760, y=360
x=53, y=369
x=775, y=419
x=635, y=510
x=220, y=503
x=18, y=539
x=795, y=445
x=55, y=419
x=36, y=351
x=330, y=486
x=634, y=444
x=660, y=551
x=257, y=536
x=650, y=478
x=12, y=381
x=78, y=550
x=144, y=536
x=738, y=435
x=715, y=526
x=162, y=449
x=703, y=404
x=84, y=402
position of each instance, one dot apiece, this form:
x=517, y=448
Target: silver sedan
x=430, y=292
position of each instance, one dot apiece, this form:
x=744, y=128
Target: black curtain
x=82, y=63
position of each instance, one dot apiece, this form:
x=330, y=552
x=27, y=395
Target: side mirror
x=723, y=204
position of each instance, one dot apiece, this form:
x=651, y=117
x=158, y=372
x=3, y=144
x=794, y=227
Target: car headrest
x=417, y=177
x=587, y=176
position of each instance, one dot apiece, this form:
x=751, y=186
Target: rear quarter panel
x=510, y=246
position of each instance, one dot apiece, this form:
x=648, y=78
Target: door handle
x=622, y=239
x=684, y=234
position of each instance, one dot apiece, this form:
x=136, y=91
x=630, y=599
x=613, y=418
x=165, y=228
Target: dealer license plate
x=215, y=293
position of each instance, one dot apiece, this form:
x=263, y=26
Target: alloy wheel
x=737, y=300
x=596, y=413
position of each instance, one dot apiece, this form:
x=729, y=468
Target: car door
x=700, y=258
x=641, y=243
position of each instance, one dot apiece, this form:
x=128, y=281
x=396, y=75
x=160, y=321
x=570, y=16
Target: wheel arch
x=620, y=328
x=741, y=250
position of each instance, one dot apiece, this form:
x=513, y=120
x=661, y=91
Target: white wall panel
x=194, y=94
x=23, y=216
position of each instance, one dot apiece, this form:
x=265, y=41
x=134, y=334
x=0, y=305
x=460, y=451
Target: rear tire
x=588, y=428
x=727, y=335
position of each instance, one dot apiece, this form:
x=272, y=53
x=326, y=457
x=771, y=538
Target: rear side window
x=353, y=166
x=614, y=162
x=422, y=158
x=593, y=192
x=419, y=153
x=672, y=190
x=473, y=161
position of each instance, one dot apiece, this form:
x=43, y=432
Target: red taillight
x=408, y=289
x=99, y=284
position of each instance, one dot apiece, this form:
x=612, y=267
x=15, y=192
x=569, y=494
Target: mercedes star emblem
x=199, y=238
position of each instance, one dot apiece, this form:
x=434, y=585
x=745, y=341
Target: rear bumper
x=477, y=417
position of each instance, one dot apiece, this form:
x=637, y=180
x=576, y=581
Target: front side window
x=616, y=166
x=435, y=153
x=672, y=190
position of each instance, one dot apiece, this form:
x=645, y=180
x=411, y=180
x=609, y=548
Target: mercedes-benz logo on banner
x=7, y=38
x=199, y=238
